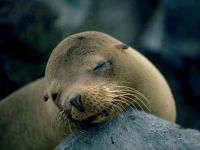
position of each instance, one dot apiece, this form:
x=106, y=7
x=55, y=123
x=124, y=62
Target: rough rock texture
x=134, y=131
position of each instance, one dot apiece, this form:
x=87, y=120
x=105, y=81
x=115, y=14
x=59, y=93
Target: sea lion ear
x=121, y=46
x=45, y=97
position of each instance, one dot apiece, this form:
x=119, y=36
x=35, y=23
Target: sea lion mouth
x=88, y=122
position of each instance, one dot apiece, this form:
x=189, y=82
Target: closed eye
x=102, y=65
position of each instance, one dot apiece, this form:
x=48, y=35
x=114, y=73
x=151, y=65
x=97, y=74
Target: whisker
x=129, y=89
x=130, y=99
x=119, y=107
x=52, y=128
x=132, y=93
x=128, y=103
x=80, y=133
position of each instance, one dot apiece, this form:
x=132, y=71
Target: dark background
x=166, y=31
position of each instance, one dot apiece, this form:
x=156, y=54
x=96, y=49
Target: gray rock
x=134, y=130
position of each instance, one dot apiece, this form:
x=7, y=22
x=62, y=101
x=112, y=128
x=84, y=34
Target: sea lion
x=90, y=77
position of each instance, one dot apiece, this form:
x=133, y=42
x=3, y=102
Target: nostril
x=54, y=96
x=76, y=102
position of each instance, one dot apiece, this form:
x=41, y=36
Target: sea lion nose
x=76, y=102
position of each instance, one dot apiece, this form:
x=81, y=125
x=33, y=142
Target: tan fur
x=26, y=120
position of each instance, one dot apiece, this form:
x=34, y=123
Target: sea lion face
x=87, y=78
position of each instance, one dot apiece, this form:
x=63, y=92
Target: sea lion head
x=88, y=77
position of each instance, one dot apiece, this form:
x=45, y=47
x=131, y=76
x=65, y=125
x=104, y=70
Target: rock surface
x=134, y=130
